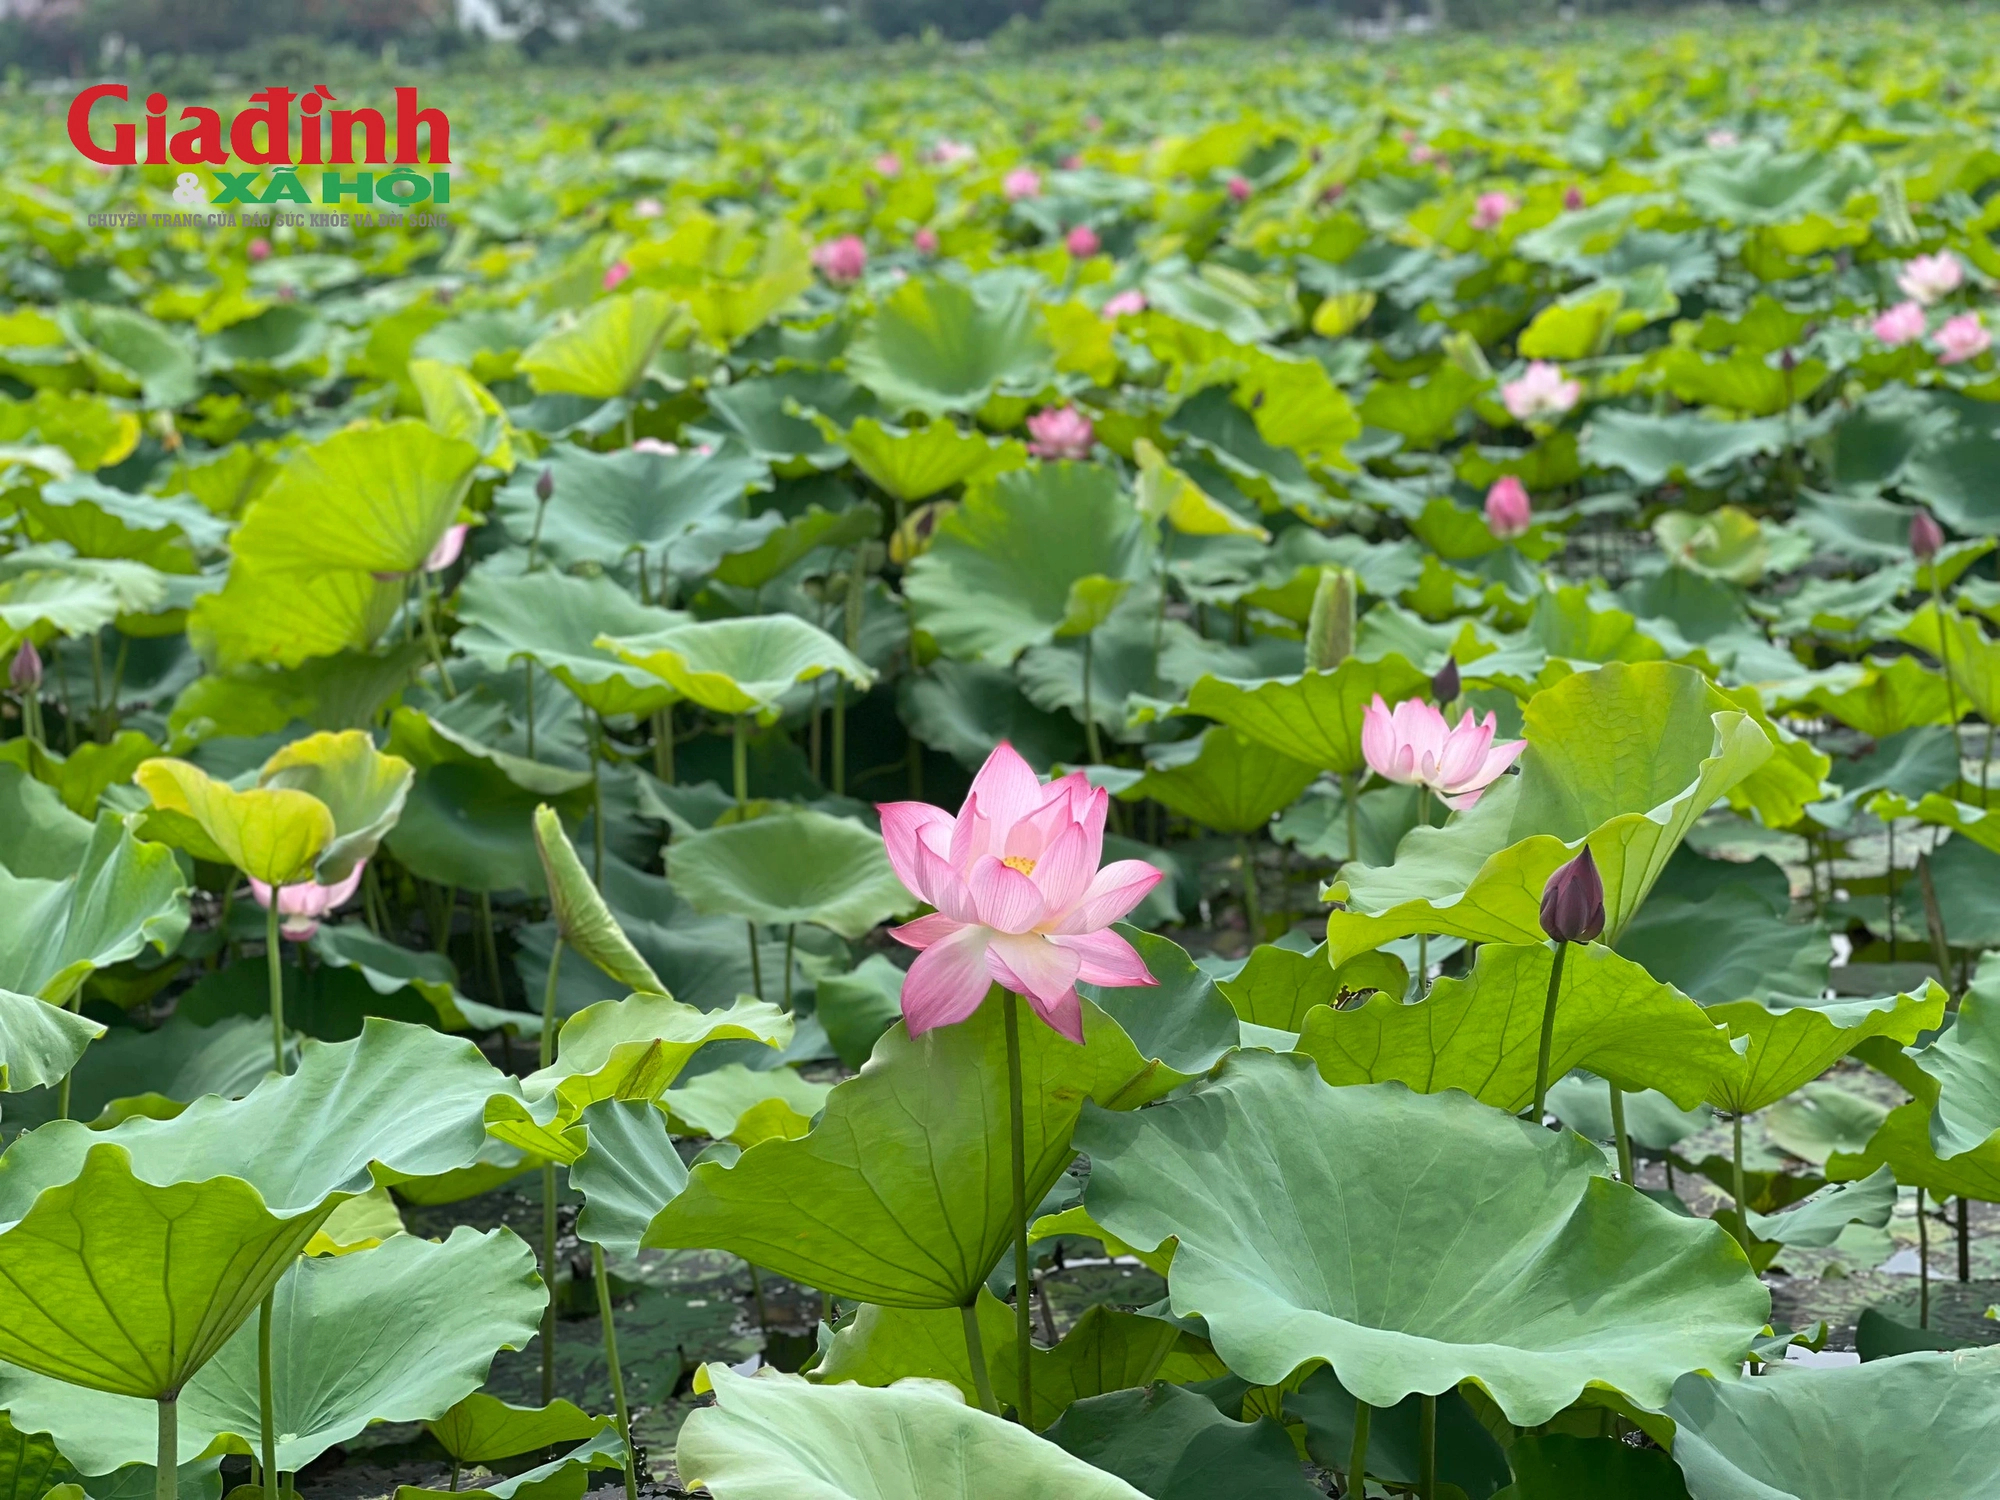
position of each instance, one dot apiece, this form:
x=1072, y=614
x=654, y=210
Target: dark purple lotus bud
x=1445, y=686
x=1788, y=361
x=545, y=486
x=1926, y=536
x=1573, y=901
x=24, y=673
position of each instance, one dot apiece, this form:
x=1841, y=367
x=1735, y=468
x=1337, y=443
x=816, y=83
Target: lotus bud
x=1445, y=686
x=1926, y=536
x=1573, y=901
x=24, y=673
x=1330, y=626
x=545, y=486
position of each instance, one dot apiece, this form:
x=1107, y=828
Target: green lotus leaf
x=1482, y=1034
x=1181, y=1021
x=776, y=1437
x=746, y=1105
x=1172, y=1444
x=628, y=1172
x=966, y=708
x=1905, y=1429
x=396, y=1333
x=388, y=969
x=31, y=1467
x=793, y=866
x=741, y=666
x=1883, y=698
x=130, y=354
x=942, y=346
x=1230, y=782
x=157, y=1072
x=1000, y=570
x=457, y=405
x=1278, y=987
x=1818, y=1219
x=119, y=898
x=363, y=789
x=1167, y=495
x=797, y=539
x=1468, y=1457
x=276, y=834
x=481, y=1428
x=39, y=836
x=1315, y=718
x=1411, y=1260
x=166, y=532
x=39, y=1042
x=855, y=1008
x=1733, y=945
x=562, y=1478
x=553, y=620
x=605, y=352
x=344, y=691
x=1683, y=446
x=583, y=921
x=901, y=1195
x=1557, y=1466
x=786, y=416
x=1791, y=1046
x=619, y=1049
x=916, y=463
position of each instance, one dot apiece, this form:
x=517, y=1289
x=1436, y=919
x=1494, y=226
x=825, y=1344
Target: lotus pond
x=1197, y=773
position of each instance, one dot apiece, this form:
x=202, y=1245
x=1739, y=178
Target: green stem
x=1891, y=878
x=1090, y=719
x=548, y=1055
x=1427, y=1448
x=1944, y=658
x=431, y=637
x=73, y=1004
x=663, y=744
x=739, y=754
x=1618, y=1134
x=597, y=804
x=1023, y=1282
x=757, y=1296
x=1548, y=1033
x=840, y=737
x=267, y=1410
x=274, y=962
x=1923, y=1264
x=791, y=937
x=1986, y=769
x=975, y=1353
x=528, y=669
x=603, y=1280
x=1736, y=1184
x=1350, y=789
x=489, y=947
x=1964, y=1240
x=1357, y=1455
x=756, y=962
x=1253, y=915
x=167, y=1456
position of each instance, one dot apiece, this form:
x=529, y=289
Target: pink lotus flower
x=615, y=274
x=1071, y=163
x=1931, y=278
x=1491, y=209
x=1721, y=140
x=656, y=445
x=949, y=153
x=1020, y=900
x=1508, y=512
x=1901, y=324
x=1961, y=338
x=1124, y=304
x=648, y=208
x=1541, y=391
x=841, y=261
x=1417, y=746
x=260, y=248
x=926, y=240
x=445, y=553
x=1022, y=182
x=1239, y=188
x=1424, y=154
x=301, y=906
x=1572, y=198
x=1082, y=242
x=1060, y=432
x=889, y=164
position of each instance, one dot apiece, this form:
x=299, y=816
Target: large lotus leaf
x=1732, y=945
x=1903, y=1142
x=796, y=539
x=740, y=666
x=583, y=920
x=1557, y=1466
x=746, y=1105
x=276, y=834
x=775, y=1437
x=458, y=406
x=1791, y=1046
x=1001, y=569
x=129, y=1071
x=131, y=354
x=1961, y=643
x=39, y=1042
x=481, y=1428
x=1683, y=446
x=1315, y=718
x=605, y=506
x=798, y=865
x=346, y=691
x=940, y=346
x=628, y=1172
x=1173, y=1444
x=792, y=416
x=552, y=620
x=1909, y=1428
x=902, y=1194
x=122, y=896
x=915, y=463
x=30, y=1465
x=605, y=352
x=396, y=1333
x=1884, y=698
x=1482, y=1034
x=363, y=789
x=562, y=1478
x=1962, y=1061
x=966, y=708
x=1230, y=783
x=39, y=836
x=1819, y=1218
x=1427, y=1240
x=619, y=1049
x=1467, y=1455
x=1181, y=1021
x=164, y=531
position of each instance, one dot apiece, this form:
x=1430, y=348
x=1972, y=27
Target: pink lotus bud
x=446, y=552
x=1446, y=686
x=889, y=164
x=260, y=248
x=615, y=273
x=1491, y=209
x=1239, y=188
x=1508, y=511
x=656, y=446
x=1572, y=198
x=1899, y=325
x=1082, y=242
x=1022, y=182
x=1124, y=304
x=841, y=261
x=1333, y=192
x=648, y=208
x=948, y=153
x=1072, y=162
x=24, y=673
x=1060, y=432
x=1573, y=901
x=926, y=240
x=1961, y=338
x=1926, y=536
x=301, y=906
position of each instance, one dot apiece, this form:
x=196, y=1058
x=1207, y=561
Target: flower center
x=1019, y=862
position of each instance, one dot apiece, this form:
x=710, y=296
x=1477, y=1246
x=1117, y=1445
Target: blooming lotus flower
x=301, y=906
x=889, y=164
x=926, y=240
x=1239, y=188
x=1020, y=900
x=948, y=153
x=1060, y=432
x=1491, y=209
x=1508, y=511
x=615, y=274
x=1542, y=391
x=1961, y=338
x=1901, y=324
x=445, y=553
x=1022, y=182
x=1931, y=278
x=260, y=248
x=1416, y=745
x=1082, y=242
x=841, y=261
x=1125, y=304
x=648, y=208
x=656, y=445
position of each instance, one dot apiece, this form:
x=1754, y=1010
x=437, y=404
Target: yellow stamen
x=1019, y=862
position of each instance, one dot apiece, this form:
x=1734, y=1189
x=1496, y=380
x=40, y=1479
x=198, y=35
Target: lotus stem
x=1023, y=1313
x=1964, y=1240
x=1934, y=918
x=1357, y=1455
x=548, y=1055
x=1890, y=876
x=1542, y=1057
x=791, y=937
x=1253, y=915
x=266, y=1409
x=1619, y=1135
x=1923, y=1263
x=975, y=1353
x=1090, y=719
x=275, y=963
x=597, y=802
x=739, y=753
x=663, y=744
x=1350, y=789
x=455, y=1467
x=757, y=1296
x=603, y=1280
x=1986, y=769
x=427, y=609
x=489, y=947
x=167, y=1456
x=1427, y=1448
x=528, y=673
x=840, y=737
x=756, y=962
x=1736, y=1182
x=442, y=938
x=1944, y=652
